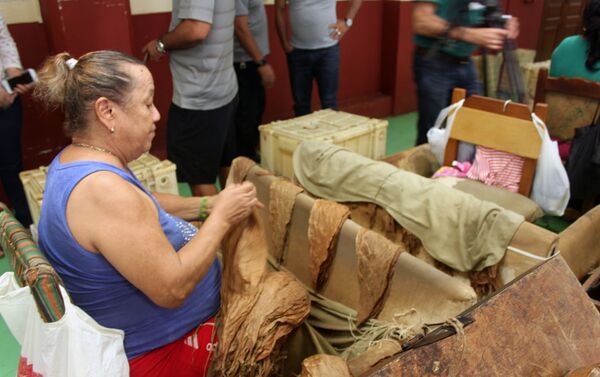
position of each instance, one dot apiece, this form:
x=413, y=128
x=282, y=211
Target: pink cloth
x=458, y=169
x=564, y=148
x=497, y=168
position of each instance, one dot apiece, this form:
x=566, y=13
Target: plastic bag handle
x=540, y=126
x=445, y=111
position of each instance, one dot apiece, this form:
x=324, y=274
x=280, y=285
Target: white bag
x=551, y=183
x=73, y=346
x=437, y=137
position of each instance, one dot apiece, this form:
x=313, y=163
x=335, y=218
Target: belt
x=245, y=65
x=441, y=55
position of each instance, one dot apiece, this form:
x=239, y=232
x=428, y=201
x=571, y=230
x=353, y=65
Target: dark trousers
x=322, y=65
x=250, y=109
x=11, y=121
x=435, y=79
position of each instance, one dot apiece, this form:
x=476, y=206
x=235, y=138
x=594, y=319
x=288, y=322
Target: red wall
x=529, y=13
x=375, y=69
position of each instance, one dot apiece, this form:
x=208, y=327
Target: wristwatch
x=349, y=22
x=261, y=62
x=160, y=47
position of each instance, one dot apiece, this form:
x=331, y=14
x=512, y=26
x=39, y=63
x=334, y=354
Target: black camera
x=492, y=14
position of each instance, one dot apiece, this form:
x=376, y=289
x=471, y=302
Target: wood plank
x=493, y=105
x=500, y=132
x=527, y=177
x=543, y=324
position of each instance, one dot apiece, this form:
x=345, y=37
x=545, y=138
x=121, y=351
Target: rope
x=375, y=332
x=462, y=339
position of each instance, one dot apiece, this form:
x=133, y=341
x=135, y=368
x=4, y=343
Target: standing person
x=254, y=74
x=313, y=51
x=200, y=125
x=442, y=57
x=11, y=119
x=579, y=55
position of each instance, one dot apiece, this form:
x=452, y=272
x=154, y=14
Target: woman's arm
x=123, y=226
x=187, y=208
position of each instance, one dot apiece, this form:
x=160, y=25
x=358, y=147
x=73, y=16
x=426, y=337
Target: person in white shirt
x=313, y=52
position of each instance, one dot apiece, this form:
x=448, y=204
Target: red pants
x=188, y=356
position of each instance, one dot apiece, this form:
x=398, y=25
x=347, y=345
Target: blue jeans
x=435, y=79
x=321, y=64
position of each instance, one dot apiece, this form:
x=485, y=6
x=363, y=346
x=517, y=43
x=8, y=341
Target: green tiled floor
x=9, y=348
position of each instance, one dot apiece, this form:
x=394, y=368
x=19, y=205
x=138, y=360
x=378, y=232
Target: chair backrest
x=500, y=125
x=572, y=102
x=31, y=267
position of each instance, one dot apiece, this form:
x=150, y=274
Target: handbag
x=584, y=161
x=73, y=346
x=551, y=189
x=437, y=137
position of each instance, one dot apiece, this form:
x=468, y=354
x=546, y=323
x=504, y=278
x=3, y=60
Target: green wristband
x=203, y=208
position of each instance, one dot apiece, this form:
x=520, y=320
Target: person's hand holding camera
x=512, y=26
x=490, y=38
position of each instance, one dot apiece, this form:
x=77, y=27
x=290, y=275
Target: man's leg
x=248, y=115
x=301, y=78
x=326, y=72
x=227, y=121
x=469, y=80
x=434, y=87
x=10, y=160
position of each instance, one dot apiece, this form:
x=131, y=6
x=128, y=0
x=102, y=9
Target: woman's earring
x=112, y=130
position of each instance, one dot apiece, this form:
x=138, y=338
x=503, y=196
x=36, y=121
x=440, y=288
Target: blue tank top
x=99, y=289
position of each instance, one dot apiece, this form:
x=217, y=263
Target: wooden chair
x=500, y=125
x=31, y=267
x=572, y=103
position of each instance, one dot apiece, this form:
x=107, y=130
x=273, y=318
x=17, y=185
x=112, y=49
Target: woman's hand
x=235, y=203
x=6, y=100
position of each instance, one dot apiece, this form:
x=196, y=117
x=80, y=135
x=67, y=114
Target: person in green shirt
x=445, y=37
x=579, y=55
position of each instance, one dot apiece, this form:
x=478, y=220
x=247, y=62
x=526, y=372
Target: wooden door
x=560, y=18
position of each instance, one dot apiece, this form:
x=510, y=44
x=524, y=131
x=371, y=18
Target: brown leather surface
x=541, y=325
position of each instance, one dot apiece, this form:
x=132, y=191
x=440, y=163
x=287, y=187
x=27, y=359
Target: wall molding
x=20, y=11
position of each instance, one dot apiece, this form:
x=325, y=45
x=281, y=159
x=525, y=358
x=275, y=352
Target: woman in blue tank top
x=128, y=257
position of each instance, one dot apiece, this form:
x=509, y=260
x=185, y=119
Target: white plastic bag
x=551, y=183
x=437, y=137
x=73, y=346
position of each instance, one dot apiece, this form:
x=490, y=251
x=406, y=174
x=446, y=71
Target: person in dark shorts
x=200, y=126
x=254, y=73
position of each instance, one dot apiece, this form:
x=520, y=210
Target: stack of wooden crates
x=155, y=175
